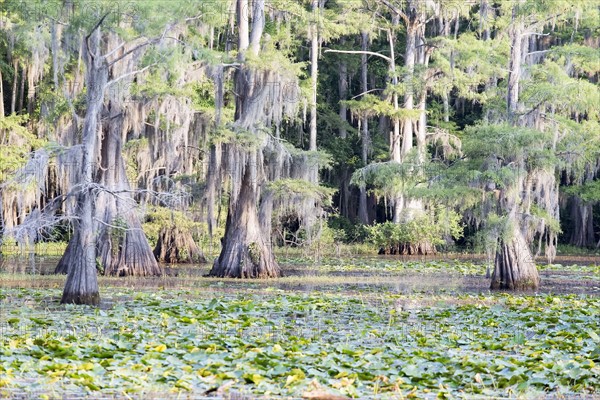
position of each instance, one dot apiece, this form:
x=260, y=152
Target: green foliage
x=17, y=144
x=552, y=223
x=370, y=106
x=509, y=143
x=117, y=232
x=284, y=344
x=588, y=192
x=300, y=189
x=390, y=178
x=159, y=217
x=433, y=227
x=347, y=231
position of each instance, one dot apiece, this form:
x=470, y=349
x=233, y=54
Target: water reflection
x=311, y=278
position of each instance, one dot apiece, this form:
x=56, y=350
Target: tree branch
x=397, y=11
x=536, y=52
x=388, y=59
x=89, y=35
x=141, y=45
x=368, y=91
x=138, y=71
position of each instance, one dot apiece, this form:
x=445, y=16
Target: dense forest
x=143, y=133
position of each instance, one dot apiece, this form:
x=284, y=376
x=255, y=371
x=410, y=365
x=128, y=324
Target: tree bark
x=514, y=68
x=30, y=91
x=314, y=70
x=343, y=113
x=22, y=88
x=122, y=247
x=395, y=142
x=343, y=94
x=582, y=234
x=81, y=286
x=246, y=251
x=1, y=97
x=175, y=245
x=409, y=103
x=13, y=98
x=243, y=25
x=514, y=267
x=363, y=215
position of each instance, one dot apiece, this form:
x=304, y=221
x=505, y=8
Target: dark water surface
x=27, y=271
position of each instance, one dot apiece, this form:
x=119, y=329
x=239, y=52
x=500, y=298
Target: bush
x=352, y=233
x=433, y=228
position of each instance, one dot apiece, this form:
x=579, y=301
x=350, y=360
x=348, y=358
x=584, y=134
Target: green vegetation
x=412, y=185
x=286, y=344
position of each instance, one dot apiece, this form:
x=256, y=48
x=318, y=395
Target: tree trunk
x=409, y=64
x=55, y=31
x=421, y=131
x=175, y=245
x=343, y=94
x=344, y=196
x=13, y=98
x=484, y=17
x=1, y=97
x=363, y=215
x=22, y=88
x=122, y=247
x=582, y=234
x=314, y=54
x=245, y=252
x=81, y=286
x=514, y=66
x=395, y=142
x=243, y=25
x=343, y=113
x=30, y=91
x=514, y=267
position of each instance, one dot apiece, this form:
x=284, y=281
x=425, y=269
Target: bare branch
x=89, y=35
x=141, y=45
x=368, y=91
x=138, y=71
x=117, y=227
x=396, y=10
x=388, y=59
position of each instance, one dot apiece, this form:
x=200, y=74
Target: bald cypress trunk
x=514, y=267
x=344, y=191
x=81, y=286
x=343, y=94
x=1, y=97
x=363, y=215
x=246, y=251
x=123, y=248
x=13, y=97
x=314, y=70
x=581, y=213
x=22, y=89
x=176, y=245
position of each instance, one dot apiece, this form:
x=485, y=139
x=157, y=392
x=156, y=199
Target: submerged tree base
x=514, y=267
x=175, y=245
x=92, y=299
x=246, y=261
x=408, y=249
